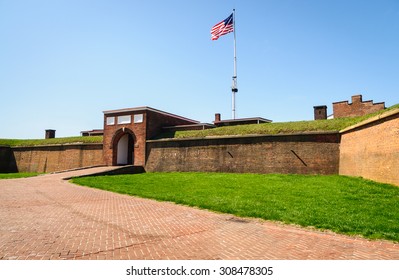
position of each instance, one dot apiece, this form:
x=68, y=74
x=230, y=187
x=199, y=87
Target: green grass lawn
x=342, y=204
x=51, y=141
x=17, y=175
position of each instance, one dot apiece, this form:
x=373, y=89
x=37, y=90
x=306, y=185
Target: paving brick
x=46, y=217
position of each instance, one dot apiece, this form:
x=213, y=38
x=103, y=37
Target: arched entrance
x=123, y=148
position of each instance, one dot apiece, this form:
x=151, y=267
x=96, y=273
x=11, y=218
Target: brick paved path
x=46, y=217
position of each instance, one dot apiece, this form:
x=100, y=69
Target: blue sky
x=63, y=62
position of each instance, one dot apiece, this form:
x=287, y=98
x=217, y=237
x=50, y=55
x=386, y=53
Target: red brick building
x=358, y=107
x=127, y=130
x=343, y=109
x=320, y=112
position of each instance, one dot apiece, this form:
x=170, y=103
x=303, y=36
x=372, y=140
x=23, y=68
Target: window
x=138, y=118
x=124, y=119
x=110, y=120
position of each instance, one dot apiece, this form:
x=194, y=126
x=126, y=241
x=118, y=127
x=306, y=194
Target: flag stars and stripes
x=222, y=28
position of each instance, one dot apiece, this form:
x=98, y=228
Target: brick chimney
x=357, y=98
x=50, y=133
x=217, y=117
x=320, y=112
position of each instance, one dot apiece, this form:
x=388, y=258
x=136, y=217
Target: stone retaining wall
x=57, y=157
x=371, y=149
x=310, y=153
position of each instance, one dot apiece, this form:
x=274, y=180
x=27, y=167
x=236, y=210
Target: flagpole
x=234, y=88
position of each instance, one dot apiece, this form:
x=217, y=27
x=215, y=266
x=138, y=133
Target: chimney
x=217, y=117
x=50, y=133
x=320, y=112
x=357, y=98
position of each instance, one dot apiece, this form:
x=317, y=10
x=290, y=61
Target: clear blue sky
x=63, y=62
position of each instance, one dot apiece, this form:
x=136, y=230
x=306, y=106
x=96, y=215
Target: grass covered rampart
x=276, y=127
x=51, y=141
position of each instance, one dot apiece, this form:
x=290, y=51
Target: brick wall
x=57, y=157
x=371, y=149
x=301, y=154
x=358, y=107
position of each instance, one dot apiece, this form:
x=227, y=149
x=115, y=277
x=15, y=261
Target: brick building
x=343, y=109
x=358, y=107
x=127, y=130
x=320, y=112
x=256, y=120
x=93, y=132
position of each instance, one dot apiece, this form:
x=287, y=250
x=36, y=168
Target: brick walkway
x=46, y=217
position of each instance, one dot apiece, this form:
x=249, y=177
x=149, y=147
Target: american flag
x=222, y=28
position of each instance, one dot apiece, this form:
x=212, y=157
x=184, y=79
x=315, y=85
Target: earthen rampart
x=369, y=149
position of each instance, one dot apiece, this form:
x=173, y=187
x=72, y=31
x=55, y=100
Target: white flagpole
x=234, y=88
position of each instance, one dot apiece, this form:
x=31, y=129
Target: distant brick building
x=50, y=133
x=342, y=109
x=127, y=130
x=93, y=132
x=320, y=112
x=257, y=120
x=358, y=107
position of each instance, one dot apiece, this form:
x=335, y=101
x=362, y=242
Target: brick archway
x=123, y=144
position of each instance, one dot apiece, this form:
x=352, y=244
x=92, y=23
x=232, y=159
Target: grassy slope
x=53, y=141
x=276, y=128
x=341, y=204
